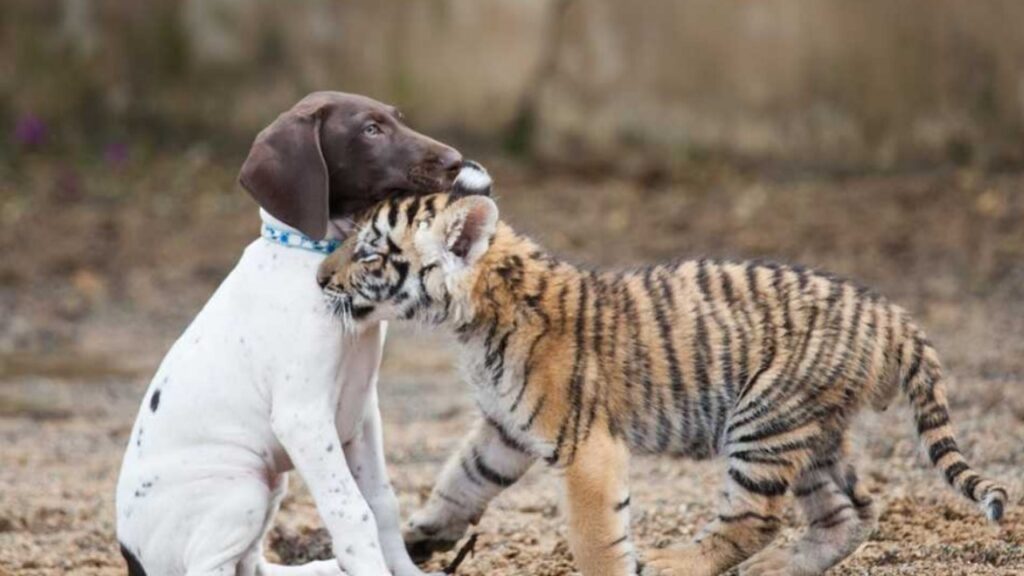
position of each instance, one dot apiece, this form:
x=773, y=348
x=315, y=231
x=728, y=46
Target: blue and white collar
x=278, y=232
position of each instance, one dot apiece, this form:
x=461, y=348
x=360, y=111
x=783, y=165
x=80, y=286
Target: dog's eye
x=372, y=129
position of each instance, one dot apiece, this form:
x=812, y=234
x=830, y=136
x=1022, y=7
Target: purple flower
x=116, y=154
x=30, y=131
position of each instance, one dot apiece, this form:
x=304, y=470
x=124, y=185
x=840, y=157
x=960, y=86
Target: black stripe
x=936, y=417
x=402, y=268
x=955, y=470
x=490, y=474
x=970, y=485
x=727, y=392
x=680, y=401
x=619, y=507
x=805, y=491
x=664, y=428
x=826, y=521
x=373, y=220
x=915, y=363
x=469, y=473
x=757, y=457
x=576, y=383
x=360, y=312
x=639, y=359
x=392, y=214
x=505, y=437
x=748, y=515
x=393, y=249
x=849, y=487
x=534, y=413
x=942, y=447
x=742, y=332
x=494, y=360
x=739, y=550
x=411, y=210
x=428, y=206
x=449, y=499
x=770, y=488
x=822, y=463
x=618, y=541
x=535, y=302
x=562, y=297
x=597, y=336
x=784, y=299
x=767, y=335
x=702, y=348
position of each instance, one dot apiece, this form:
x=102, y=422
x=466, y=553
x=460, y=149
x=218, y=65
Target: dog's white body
x=264, y=380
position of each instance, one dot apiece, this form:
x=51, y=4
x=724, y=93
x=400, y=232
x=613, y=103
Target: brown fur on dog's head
x=335, y=154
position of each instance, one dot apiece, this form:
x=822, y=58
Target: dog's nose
x=450, y=160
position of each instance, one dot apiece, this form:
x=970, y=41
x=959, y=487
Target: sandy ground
x=85, y=316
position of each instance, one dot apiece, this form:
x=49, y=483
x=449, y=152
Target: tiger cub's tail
x=923, y=385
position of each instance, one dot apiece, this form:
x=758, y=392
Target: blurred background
x=881, y=140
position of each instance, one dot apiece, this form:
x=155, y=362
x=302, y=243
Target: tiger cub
x=762, y=364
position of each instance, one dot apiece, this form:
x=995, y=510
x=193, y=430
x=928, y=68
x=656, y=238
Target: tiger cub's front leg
x=488, y=462
x=597, y=489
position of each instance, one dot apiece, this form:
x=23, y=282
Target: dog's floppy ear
x=286, y=172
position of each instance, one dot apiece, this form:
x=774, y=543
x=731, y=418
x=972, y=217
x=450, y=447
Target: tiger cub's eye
x=365, y=256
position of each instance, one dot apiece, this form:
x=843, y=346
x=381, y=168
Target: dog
x=263, y=381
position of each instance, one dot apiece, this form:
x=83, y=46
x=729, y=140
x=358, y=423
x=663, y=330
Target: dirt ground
x=103, y=268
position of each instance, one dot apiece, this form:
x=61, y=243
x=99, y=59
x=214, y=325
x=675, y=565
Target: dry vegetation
x=102, y=269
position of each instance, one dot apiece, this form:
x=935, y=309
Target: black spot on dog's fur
x=154, y=402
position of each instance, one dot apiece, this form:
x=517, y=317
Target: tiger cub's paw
x=427, y=532
x=686, y=560
x=772, y=562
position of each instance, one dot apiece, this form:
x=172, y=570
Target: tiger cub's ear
x=467, y=225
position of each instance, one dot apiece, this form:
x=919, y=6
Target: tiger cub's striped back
x=762, y=363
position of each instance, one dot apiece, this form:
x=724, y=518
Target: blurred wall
x=657, y=83
x=830, y=82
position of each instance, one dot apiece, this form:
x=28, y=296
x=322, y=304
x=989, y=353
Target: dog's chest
x=300, y=350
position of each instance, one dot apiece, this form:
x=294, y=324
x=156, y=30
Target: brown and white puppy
x=264, y=380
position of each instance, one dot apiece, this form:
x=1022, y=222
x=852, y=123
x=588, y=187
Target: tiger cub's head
x=413, y=258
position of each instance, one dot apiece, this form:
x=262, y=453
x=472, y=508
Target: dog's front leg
x=308, y=433
x=365, y=454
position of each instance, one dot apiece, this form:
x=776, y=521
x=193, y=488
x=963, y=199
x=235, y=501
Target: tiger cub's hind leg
x=840, y=516
x=748, y=520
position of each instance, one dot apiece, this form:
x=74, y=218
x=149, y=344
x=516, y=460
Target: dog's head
x=334, y=155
